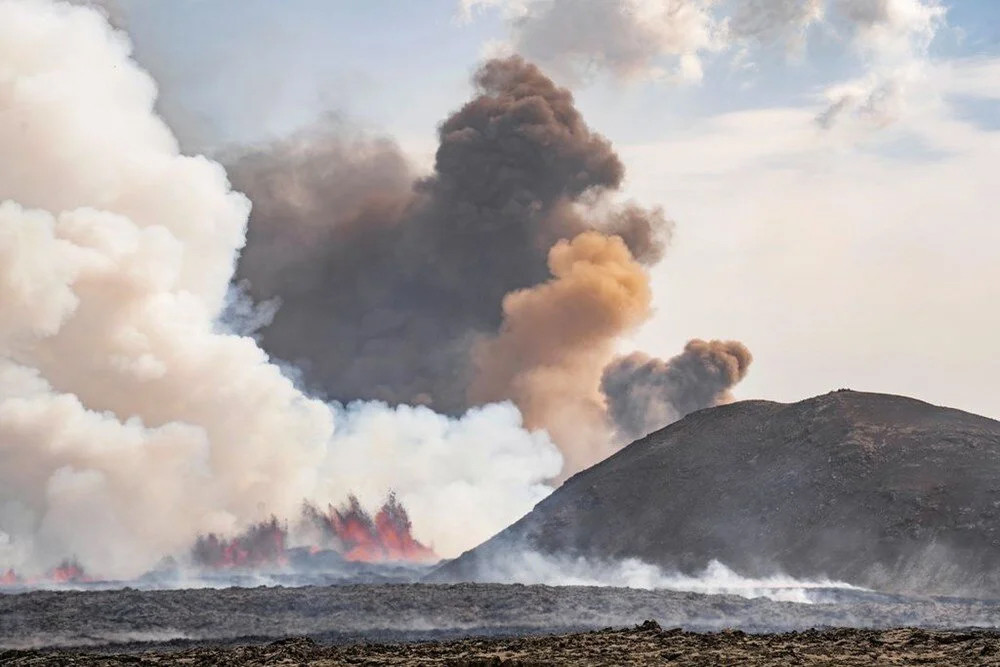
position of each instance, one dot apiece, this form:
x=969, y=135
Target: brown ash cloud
x=387, y=280
x=557, y=338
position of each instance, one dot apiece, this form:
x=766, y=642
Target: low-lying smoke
x=645, y=394
x=524, y=566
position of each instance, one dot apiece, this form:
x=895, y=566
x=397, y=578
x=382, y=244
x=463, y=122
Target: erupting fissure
x=261, y=545
x=68, y=571
x=349, y=531
x=387, y=537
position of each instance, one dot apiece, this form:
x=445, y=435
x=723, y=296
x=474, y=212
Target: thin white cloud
x=864, y=260
x=775, y=21
x=628, y=38
x=671, y=39
x=892, y=38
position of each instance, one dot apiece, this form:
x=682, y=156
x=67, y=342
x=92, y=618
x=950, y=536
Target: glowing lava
x=387, y=538
x=261, y=545
x=349, y=531
x=392, y=525
x=68, y=572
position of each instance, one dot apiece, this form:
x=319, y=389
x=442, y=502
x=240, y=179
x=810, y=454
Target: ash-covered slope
x=881, y=491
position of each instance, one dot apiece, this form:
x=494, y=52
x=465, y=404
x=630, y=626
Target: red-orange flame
x=392, y=524
x=350, y=531
x=386, y=538
x=68, y=572
x=260, y=545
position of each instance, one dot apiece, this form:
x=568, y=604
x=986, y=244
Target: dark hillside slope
x=877, y=490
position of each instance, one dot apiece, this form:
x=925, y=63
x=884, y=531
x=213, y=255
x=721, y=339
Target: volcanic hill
x=880, y=491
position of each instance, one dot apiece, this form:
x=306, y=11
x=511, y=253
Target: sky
x=860, y=252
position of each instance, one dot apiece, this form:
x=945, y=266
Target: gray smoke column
x=387, y=281
x=645, y=394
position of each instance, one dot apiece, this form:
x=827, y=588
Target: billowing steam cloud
x=645, y=394
x=386, y=285
x=129, y=423
x=671, y=39
x=557, y=338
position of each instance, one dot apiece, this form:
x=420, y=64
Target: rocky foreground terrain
x=646, y=644
x=420, y=623
x=168, y=620
x=880, y=491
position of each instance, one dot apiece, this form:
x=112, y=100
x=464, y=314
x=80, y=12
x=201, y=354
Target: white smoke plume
x=672, y=39
x=130, y=421
x=531, y=567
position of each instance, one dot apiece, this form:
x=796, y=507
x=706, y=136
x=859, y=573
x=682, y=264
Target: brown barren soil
x=646, y=644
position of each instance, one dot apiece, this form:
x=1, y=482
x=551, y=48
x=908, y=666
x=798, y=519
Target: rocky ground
x=426, y=623
x=136, y=620
x=646, y=644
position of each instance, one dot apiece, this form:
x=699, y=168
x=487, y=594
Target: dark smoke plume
x=645, y=394
x=386, y=281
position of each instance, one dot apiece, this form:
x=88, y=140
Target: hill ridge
x=879, y=490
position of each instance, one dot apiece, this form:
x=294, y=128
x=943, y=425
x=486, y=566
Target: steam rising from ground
x=532, y=567
x=128, y=423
